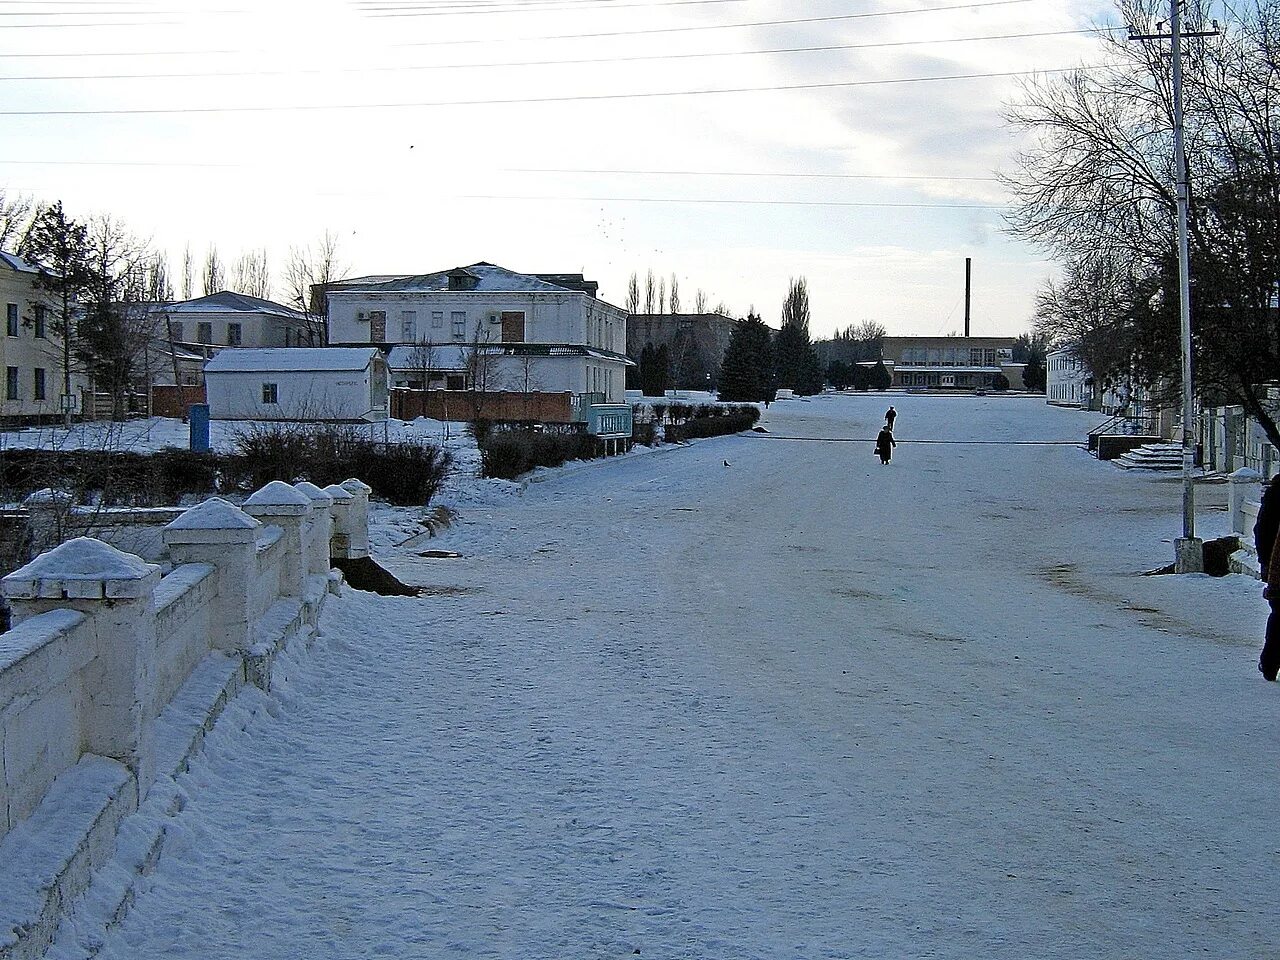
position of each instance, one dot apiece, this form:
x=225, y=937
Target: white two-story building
x=530, y=332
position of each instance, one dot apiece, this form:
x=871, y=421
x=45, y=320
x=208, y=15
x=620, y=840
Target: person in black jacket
x=1265, y=540
x=890, y=415
x=885, y=444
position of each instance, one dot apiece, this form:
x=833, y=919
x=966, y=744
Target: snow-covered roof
x=489, y=278
x=227, y=301
x=15, y=262
x=443, y=357
x=291, y=359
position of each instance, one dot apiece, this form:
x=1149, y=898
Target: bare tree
x=188, y=273
x=211, y=278
x=308, y=271
x=15, y=217
x=115, y=332
x=481, y=363
x=673, y=298
x=700, y=301
x=253, y=274
x=662, y=294
x=650, y=293
x=633, y=294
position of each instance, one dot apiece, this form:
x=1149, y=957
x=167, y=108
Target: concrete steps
x=1152, y=456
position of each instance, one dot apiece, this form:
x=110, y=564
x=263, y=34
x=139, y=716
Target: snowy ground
x=801, y=705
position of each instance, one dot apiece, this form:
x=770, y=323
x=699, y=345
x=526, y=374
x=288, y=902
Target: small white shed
x=297, y=383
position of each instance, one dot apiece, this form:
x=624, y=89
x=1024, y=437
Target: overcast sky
x=433, y=133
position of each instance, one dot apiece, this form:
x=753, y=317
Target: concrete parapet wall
x=105, y=652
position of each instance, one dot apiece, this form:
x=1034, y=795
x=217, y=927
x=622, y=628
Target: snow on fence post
x=222, y=534
x=358, y=542
x=288, y=508
x=116, y=707
x=1244, y=486
x=316, y=544
x=343, y=507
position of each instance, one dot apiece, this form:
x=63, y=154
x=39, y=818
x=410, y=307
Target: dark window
x=456, y=382
x=11, y=382
x=11, y=319
x=233, y=334
x=204, y=332
x=39, y=323
x=176, y=327
x=270, y=393
x=39, y=383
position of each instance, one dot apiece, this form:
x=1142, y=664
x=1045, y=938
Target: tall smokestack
x=968, y=267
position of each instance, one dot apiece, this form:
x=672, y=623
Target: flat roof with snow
x=291, y=360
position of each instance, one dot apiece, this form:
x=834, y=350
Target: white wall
x=323, y=395
x=568, y=317
x=28, y=352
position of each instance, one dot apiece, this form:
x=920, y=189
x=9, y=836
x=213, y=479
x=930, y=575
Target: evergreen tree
x=746, y=373
x=59, y=247
x=1033, y=376
x=796, y=363
x=999, y=382
x=881, y=379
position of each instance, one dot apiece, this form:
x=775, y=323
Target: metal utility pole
x=1188, y=549
x=968, y=268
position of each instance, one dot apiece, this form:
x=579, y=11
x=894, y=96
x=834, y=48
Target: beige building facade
x=951, y=363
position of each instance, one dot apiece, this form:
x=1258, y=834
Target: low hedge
x=508, y=453
x=404, y=474
x=728, y=420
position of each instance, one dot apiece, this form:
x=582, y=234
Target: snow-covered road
x=801, y=705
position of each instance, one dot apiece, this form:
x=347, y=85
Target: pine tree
x=796, y=363
x=881, y=379
x=746, y=373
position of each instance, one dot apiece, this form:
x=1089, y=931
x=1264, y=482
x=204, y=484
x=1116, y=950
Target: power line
x=752, y=202
x=518, y=6
x=720, y=26
x=746, y=173
x=508, y=101
x=548, y=63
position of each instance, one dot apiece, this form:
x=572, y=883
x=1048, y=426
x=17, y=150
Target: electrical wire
x=508, y=101
x=825, y=48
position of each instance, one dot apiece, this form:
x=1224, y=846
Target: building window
x=39, y=321
x=437, y=319
x=204, y=332
x=176, y=327
x=11, y=319
x=408, y=326
x=456, y=381
x=11, y=383
x=38, y=384
x=459, y=320
x=270, y=393
x=234, y=334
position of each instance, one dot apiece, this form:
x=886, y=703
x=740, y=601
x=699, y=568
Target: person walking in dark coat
x=1268, y=546
x=890, y=416
x=885, y=444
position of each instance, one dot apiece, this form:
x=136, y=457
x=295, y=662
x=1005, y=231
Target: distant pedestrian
x=1268, y=546
x=885, y=444
x=890, y=416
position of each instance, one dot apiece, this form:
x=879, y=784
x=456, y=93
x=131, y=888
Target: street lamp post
x=1188, y=549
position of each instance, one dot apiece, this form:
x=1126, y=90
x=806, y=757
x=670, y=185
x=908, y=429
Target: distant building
x=227, y=319
x=544, y=332
x=297, y=383
x=31, y=350
x=695, y=344
x=1067, y=381
x=951, y=363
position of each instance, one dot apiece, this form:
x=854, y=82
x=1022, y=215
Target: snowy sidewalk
x=798, y=706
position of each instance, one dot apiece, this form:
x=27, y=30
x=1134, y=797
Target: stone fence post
x=1244, y=486
x=343, y=504
x=116, y=590
x=358, y=535
x=288, y=508
x=321, y=528
x=222, y=534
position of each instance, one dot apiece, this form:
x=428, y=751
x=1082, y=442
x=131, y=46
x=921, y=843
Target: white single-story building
x=297, y=383
x=424, y=366
x=1067, y=381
